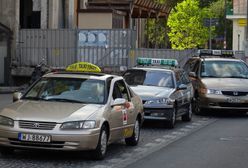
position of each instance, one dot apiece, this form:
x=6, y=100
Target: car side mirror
x=182, y=87
x=118, y=102
x=192, y=74
x=17, y=96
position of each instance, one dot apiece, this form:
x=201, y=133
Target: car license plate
x=34, y=137
x=233, y=100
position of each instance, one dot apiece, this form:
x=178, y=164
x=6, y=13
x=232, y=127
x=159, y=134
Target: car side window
x=190, y=64
x=178, y=78
x=185, y=78
x=196, y=67
x=120, y=90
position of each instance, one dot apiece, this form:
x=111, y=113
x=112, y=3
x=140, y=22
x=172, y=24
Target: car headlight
x=78, y=125
x=6, y=121
x=214, y=91
x=161, y=101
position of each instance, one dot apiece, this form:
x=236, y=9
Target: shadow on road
x=224, y=114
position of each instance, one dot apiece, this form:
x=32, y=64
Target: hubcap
x=103, y=142
x=136, y=130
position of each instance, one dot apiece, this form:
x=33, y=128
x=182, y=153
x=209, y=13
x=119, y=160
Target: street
x=207, y=141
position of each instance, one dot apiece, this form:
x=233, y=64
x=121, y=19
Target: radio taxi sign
x=157, y=61
x=83, y=67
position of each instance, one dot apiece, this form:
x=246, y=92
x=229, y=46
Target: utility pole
x=224, y=42
x=210, y=36
x=247, y=22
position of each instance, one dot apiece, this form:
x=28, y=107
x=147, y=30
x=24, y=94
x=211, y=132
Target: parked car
x=165, y=90
x=72, y=111
x=220, y=81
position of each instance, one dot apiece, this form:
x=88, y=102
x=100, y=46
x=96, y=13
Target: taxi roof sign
x=83, y=67
x=157, y=61
x=209, y=52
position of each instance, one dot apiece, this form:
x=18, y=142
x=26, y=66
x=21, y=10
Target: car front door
x=121, y=116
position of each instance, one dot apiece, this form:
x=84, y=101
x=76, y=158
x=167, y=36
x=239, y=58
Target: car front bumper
x=71, y=141
x=222, y=102
x=158, y=113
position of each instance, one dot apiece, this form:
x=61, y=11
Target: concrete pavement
x=8, y=89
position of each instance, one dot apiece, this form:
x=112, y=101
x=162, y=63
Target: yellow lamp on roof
x=83, y=67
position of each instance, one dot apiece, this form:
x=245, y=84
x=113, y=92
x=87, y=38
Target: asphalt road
x=208, y=141
x=223, y=144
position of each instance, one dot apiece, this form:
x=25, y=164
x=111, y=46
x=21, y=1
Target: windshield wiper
x=209, y=76
x=242, y=77
x=64, y=100
x=33, y=98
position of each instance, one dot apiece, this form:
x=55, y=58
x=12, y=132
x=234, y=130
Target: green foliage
x=156, y=29
x=186, y=25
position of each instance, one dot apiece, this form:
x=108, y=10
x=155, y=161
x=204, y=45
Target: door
x=3, y=55
x=121, y=119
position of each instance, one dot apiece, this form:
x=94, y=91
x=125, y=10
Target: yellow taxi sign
x=83, y=67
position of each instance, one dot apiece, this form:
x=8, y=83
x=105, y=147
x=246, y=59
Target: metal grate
x=37, y=125
x=234, y=93
x=239, y=105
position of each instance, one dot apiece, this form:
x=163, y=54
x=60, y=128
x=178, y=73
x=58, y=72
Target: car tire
x=6, y=151
x=188, y=116
x=134, y=139
x=172, y=121
x=196, y=108
x=100, y=151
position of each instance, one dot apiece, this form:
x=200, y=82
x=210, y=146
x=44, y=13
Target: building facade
x=16, y=16
x=238, y=14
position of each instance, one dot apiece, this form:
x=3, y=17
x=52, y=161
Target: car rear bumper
x=65, y=142
x=222, y=102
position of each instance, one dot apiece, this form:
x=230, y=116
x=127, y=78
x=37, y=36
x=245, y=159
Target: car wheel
x=134, y=139
x=172, y=121
x=188, y=115
x=101, y=148
x=196, y=107
x=6, y=151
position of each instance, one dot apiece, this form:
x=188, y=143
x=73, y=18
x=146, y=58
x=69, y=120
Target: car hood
x=148, y=92
x=49, y=111
x=237, y=84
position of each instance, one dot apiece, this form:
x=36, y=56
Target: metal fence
x=56, y=47
x=113, y=50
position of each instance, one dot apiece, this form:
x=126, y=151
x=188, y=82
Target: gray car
x=166, y=92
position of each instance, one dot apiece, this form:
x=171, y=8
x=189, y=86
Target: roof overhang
x=137, y=8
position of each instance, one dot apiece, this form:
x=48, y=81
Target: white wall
x=239, y=40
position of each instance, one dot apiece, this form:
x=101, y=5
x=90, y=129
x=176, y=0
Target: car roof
x=156, y=68
x=81, y=75
x=216, y=58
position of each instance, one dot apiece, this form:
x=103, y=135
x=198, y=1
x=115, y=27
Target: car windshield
x=68, y=90
x=224, y=69
x=149, y=78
